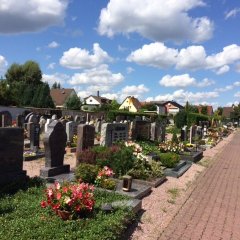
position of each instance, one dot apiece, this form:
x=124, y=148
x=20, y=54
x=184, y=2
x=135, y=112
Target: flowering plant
x=74, y=198
x=171, y=147
x=103, y=176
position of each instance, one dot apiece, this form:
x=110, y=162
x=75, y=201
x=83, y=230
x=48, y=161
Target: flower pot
x=65, y=215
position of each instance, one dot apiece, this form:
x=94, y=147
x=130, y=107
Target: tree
x=14, y=73
x=56, y=85
x=73, y=102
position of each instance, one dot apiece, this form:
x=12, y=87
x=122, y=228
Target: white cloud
x=100, y=75
x=159, y=20
x=237, y=67
x=184, y=96
x=155, y=55
x=222, y=70
x=94, y=88
x=237, y=94
x=205, y=82
x=177, y=81
x=134, y=90
x=30, y=16
x=190, y=58
x=236, y=84
x=77, y=58
x=51, y=65
x=224, y=89
x=53, y=44
x=110, y=95
x=229, y=104
x=3, y=64
x=232, y=13
x=130, y=70
x=56, y=77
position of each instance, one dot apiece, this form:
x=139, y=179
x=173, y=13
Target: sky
x=181, y=50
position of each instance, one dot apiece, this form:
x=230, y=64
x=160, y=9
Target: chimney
x=98, y=94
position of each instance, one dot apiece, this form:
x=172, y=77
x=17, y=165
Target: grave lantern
x=127, y=183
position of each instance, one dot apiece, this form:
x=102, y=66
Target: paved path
x=212, y=211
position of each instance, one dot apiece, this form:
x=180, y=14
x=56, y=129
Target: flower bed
x=21, y=217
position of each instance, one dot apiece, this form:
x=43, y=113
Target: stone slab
x=155, y=183
x=37, y=156
x=134, y=204
x=179, y=170
x=53, y=171
x=194, y=157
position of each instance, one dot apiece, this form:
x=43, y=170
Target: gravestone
x=141, y=130
x=113, y=132
x=156, y=132
x=54, y=117
x=5, y=119
x=47, y=124
x=98, y=126
x=184, y=134
x=77, y=118
x=85, y=137
x=33, y=119
x=28, y=116
x=82, y=120
x=42, y=123
x=11, y=155
x=20, y=121
x=71, y=130
x=54, y=143
x=34, y=135
x=64, y=122
x=199, y=132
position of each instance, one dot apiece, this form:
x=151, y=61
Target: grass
x=21, y=217
x=174, y=193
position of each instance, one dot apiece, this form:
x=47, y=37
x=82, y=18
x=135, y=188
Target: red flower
x=44, y=204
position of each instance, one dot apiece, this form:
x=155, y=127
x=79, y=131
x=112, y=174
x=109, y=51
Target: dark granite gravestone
x=54, y=143
x=34, y=136
x=64, y=122
x=85, y=137
x=141, y=130
x=20, y=121
x=113, y=132
x=11, y=155
x=83, y=120
x=5, y=119
x=183, y=136
x=33, y=118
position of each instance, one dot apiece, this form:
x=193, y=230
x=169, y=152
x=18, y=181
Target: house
x=61, y=95
x=226, y=113
x=209, y=109
x=167, y=107
x=131, y=104
x=95, y=101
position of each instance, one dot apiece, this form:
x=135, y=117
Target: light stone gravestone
x=47, y=124
x=54, y=143
x=71, y=130
x=54, y=117
x=113, y=132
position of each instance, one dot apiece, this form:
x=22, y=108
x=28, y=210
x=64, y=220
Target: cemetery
x=118, y=164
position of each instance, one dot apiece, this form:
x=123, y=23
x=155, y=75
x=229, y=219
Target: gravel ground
x=163, y=203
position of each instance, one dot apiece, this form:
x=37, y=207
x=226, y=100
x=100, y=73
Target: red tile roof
x=59, y=96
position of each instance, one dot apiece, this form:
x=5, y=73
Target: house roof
x=59, y=96
x=99, y=99
x=134, y=101
x=226, y=112
x=209, y=110
x=164, y=103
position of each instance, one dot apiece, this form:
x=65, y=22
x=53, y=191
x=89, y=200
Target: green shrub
x=144, y=170
x=109, y=184
x=148, y=147
x=169, y=160
x=174, y=138
x=86, y=172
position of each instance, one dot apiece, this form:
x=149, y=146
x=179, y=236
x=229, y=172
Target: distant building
x=167, y=107
x=92, y=101
x=61, y=95
x=209, y=109
x=226, y=113
x=131, y=104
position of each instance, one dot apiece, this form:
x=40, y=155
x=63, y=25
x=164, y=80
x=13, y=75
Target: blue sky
x=182, y=50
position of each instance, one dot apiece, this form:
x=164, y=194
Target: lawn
x=21, y=217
